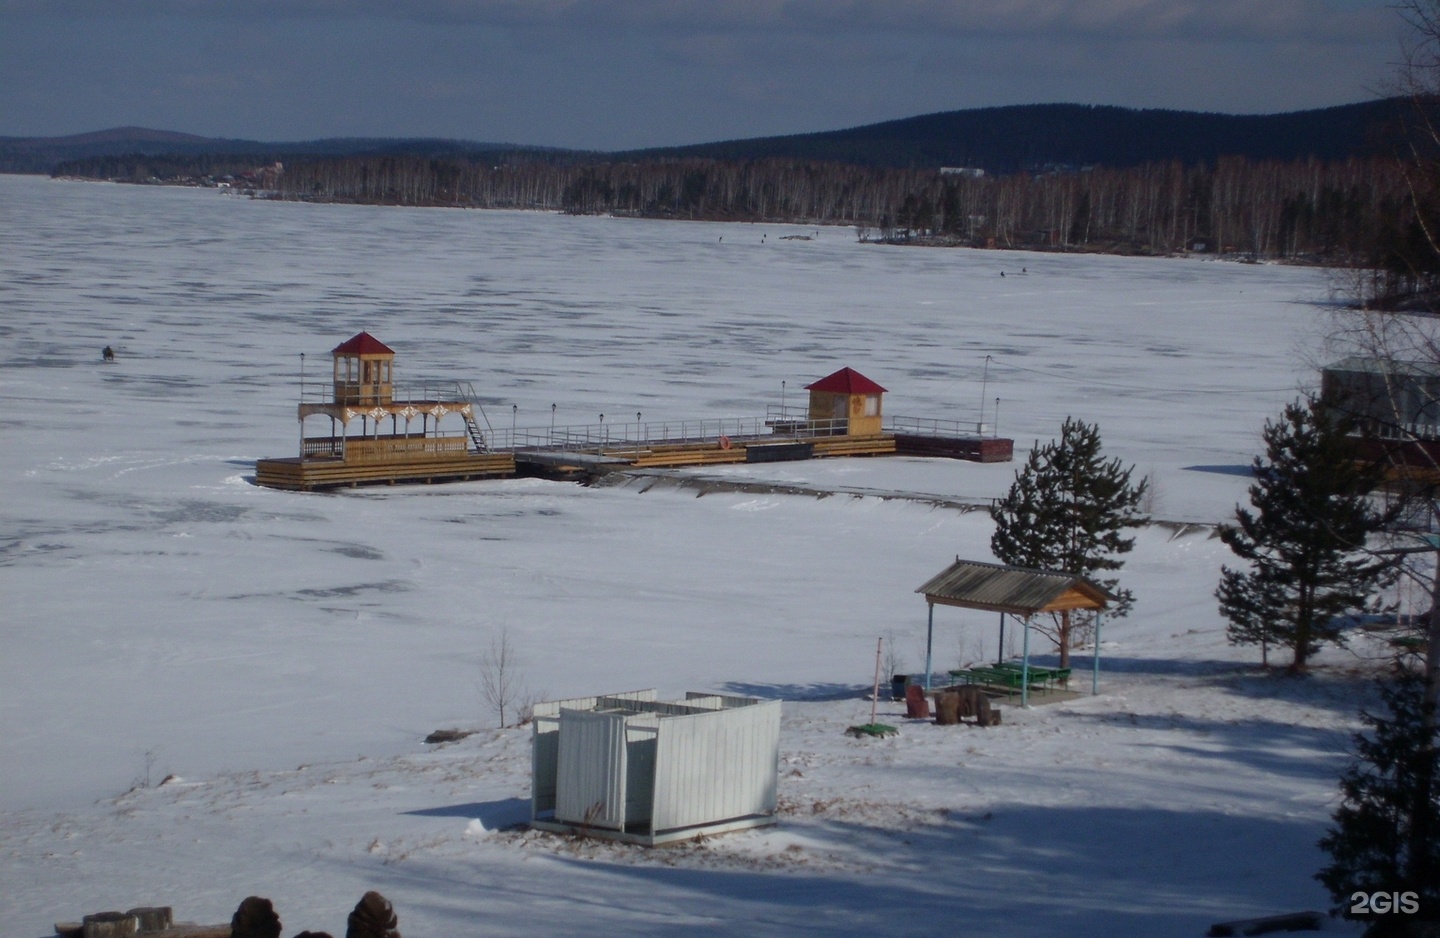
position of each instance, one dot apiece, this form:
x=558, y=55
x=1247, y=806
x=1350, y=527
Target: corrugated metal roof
x=1382, y=366
x=362, y=344
x=846, y=381
x=1008, y=589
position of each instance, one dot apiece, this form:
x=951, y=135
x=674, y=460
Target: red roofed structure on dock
x=362, y=344
x=846, y=381
x=374, y=433
x=848, y=401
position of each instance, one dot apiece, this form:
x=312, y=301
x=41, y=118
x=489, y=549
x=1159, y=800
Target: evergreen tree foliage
x=1068, y=510
x=1304, y=541
x=1386, y=836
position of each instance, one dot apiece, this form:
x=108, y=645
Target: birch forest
x=1346, y=211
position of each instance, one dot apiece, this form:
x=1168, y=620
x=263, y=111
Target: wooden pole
x=929, y=645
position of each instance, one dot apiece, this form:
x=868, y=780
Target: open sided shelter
x=1017, y=591
x=633, y=768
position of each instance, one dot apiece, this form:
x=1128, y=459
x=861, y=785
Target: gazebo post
x=929, y=645
x=1095, y=672
x=1000, y=655
x=1025, y=668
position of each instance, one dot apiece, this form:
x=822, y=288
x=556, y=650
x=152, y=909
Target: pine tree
x=1067, y=510
x=1305, y=539
x=1386, y=836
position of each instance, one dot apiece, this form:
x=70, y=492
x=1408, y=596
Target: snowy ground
x=284, y=654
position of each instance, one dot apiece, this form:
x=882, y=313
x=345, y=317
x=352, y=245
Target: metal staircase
x=465, y=391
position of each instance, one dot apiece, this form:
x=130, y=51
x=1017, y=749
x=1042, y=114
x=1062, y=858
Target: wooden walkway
x=312, y=474
x=331, y=463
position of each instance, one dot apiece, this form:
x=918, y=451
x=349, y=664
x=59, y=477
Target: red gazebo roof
x=846, y=381
x=363, y=344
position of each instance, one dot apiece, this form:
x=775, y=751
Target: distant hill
x=1009, y=139
x=997, y=140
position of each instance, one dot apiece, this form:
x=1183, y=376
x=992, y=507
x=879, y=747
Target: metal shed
x=1018, y=591
x=633, y=768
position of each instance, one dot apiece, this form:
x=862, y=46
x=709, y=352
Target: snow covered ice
x=283, y=655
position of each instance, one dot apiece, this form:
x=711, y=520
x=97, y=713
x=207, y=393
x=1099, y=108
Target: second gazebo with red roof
x=848, y=402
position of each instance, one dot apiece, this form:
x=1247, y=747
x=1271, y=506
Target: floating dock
x=439, y=433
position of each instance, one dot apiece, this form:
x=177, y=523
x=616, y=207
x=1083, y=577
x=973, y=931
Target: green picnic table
x=1049, y=676
x=1010, y=676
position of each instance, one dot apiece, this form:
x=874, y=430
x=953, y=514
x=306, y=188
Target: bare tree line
x=1350, y=211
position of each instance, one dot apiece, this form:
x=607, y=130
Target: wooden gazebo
x=1016, y=591
x=400, y=438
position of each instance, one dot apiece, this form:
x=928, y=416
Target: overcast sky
x=614, y=74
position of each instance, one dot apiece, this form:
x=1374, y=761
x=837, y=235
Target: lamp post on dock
x=984, y=382
x=302, y=400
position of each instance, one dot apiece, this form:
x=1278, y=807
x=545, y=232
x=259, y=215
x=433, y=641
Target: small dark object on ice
x=1295, y=921
x=872, y=729
x=373, y=917
x=108, y=354
x=448, y=736
x=255, y=918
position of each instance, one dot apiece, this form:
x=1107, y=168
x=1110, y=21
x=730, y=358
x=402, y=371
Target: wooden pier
x=400, y=437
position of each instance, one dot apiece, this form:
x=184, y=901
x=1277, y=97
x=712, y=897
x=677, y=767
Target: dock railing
x=950, y=429
x=621, y=437
x=315, y=390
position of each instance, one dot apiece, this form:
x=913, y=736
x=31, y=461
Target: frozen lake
x=157, y=602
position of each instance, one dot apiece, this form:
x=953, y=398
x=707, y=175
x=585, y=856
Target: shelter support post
x=1025, y=668
x=1000, y=655
x=929, y=645
x=1095, y=671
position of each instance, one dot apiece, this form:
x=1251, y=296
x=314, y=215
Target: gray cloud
x=609, y=74
x=1173, y=19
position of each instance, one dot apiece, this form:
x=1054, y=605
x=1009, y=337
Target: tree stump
x=373, y=917
x=947, y=708
x=153, y=917
x=255, y=918
x=110, y=925
x=916, y=706
x=974, y=703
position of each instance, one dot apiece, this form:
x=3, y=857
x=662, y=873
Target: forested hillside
x=1341, y=210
